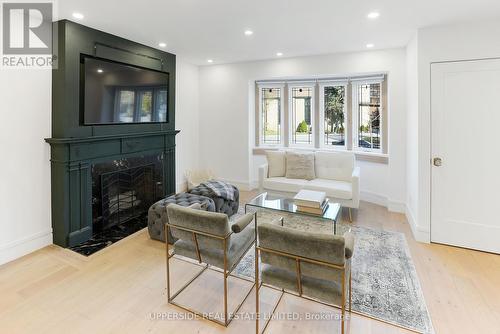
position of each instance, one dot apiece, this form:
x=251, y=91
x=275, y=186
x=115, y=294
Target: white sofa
x=336, y=175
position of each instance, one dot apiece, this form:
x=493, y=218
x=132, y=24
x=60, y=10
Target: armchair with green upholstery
x=209, y=238
x=311, y=265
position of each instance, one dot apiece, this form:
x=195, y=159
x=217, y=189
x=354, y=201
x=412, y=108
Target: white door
x=465, y=109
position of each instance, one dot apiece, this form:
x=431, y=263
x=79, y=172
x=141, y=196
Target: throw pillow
x=276, y=163
x=300, y=165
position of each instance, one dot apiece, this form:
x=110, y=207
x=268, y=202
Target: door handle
x=438, y=162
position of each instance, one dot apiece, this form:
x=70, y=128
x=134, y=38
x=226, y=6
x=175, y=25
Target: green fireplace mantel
x=71, y=174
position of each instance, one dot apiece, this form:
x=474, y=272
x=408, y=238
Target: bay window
x=346, y=113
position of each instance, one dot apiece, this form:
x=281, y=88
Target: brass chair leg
x=168, y=263
x=350, y=288
x=350, y=215
x=342, y=318
x=225, y=284
x=257, y=315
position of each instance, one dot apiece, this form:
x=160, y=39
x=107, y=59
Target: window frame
x=291, y=130
x=317, y=86
x=261, y=87
x=347, y=135
x=355, y=84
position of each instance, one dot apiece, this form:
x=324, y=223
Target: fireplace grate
x=126, y=194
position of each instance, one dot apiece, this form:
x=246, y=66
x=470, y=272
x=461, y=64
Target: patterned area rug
x=385, y=284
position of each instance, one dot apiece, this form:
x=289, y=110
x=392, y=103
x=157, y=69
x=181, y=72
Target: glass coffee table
x=273, y=207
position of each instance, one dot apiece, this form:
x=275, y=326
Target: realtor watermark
x=27, y=35
x=287, y=316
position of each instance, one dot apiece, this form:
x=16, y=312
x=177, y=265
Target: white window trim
x=281, y=86
x=322, y=86
x=317, y=118
x=301, y=84
x=355, y=110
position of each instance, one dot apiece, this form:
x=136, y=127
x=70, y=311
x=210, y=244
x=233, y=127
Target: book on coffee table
x=310, y=198
x=316, y=211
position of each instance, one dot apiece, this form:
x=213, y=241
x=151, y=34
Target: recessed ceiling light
x=248, y=32
x=370, y=45
x=373, y=15
x=78, y=16
x=99, y=70
x=210, y=61
x=279, y=54
x=162, y=45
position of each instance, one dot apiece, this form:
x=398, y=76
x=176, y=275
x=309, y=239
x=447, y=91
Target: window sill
x=375, y=157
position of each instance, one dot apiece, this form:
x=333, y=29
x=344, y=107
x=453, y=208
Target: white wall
x=186, y=120
x=25, y=107
x=412, y=130
x=474, y=40
x=227, y=116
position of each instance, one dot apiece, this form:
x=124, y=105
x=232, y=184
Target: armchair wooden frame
x=226, y=271
x=298, y=260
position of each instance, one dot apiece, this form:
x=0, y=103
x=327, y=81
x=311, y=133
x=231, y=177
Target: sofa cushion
x=300, y=165
x=276, y=162
x=284, y=184
x=332, y=188
x=334, y=165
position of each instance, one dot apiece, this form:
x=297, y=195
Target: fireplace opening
x=125, y=194
x=122, y=192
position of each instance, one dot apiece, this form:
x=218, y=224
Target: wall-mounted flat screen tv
x=117, y=93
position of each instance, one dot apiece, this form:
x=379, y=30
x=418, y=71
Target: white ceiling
x=214, y=29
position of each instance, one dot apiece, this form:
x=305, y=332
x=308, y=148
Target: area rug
x=385, y=284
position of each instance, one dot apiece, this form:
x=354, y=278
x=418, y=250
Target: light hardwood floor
x=122, y=290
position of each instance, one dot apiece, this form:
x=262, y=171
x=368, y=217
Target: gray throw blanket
x=220, y=189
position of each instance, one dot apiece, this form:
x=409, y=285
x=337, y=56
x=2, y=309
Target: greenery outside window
x=333, y=127
x=271, y=115
x=367, y=116
x=301, y=115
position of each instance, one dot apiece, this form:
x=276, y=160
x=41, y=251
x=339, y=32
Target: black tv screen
x=116, y=93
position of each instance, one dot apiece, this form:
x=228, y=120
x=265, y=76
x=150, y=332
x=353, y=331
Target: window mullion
x=354, y=115
x=317, y=136
x=285, y=112
x=349, y=117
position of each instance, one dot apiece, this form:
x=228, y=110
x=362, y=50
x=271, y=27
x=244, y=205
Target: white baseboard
x=396, y=206
x=391, y=205
x=254, y=185
x=23, y=246
x=374, y=198
x=420, y=233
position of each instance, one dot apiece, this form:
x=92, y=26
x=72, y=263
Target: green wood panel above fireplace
x=75, y=40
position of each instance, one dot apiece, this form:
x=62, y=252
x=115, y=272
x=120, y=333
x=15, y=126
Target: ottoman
x=221, y=205
x=157, y=214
